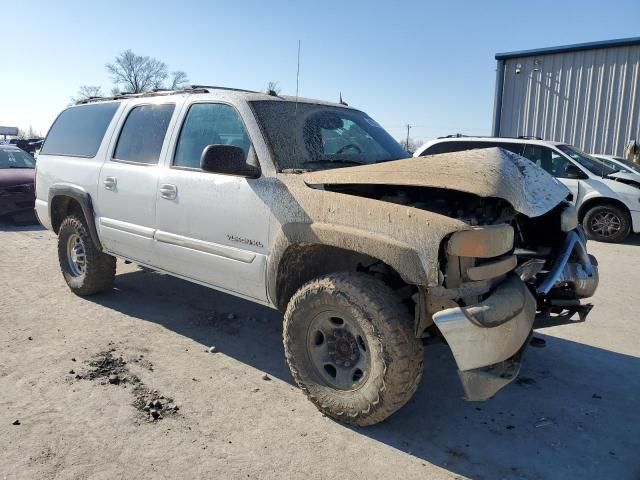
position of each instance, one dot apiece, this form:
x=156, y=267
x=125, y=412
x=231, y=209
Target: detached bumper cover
x=488, y=338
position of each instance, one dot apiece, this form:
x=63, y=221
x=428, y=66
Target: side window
x=209, y=124
x=512, y=147
x=547, y=159
x=78, y=131
x=143, y=133
x=448, y=147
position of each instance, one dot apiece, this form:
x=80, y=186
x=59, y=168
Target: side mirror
x=573, y=172
x=227, y=160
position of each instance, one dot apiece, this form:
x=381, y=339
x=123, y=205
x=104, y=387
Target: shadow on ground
x=8, y=226
x=573, y=413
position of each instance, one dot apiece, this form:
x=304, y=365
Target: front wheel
x=85, y=268
x=607, y=223
x=350, y=346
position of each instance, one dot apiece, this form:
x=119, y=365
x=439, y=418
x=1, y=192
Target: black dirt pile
x=113, y=369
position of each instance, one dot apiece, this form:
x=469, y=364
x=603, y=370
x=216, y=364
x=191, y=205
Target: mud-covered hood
x=489, y=172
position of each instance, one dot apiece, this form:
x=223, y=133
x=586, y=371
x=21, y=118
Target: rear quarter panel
x=78, y=172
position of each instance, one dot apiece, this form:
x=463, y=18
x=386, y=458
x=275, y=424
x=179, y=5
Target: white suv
x=608, y=202
x=311, y=208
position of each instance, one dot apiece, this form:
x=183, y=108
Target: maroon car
x=17, y=193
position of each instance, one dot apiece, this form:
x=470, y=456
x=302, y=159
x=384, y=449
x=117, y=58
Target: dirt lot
x=574, y=413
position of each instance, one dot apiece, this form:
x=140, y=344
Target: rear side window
x=78, y=131
x=143, y=133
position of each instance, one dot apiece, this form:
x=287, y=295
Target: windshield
x=16, y=159
x=595, y=166
x=309, y=136
x=623, y=165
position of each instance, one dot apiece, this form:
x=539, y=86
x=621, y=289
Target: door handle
x=110, y=183
x=168, y=191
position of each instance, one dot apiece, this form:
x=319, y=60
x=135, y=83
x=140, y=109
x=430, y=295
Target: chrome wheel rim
x=76, y=255
x=606, y=223
x=338, y=350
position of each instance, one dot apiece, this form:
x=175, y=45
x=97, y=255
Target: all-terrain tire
x=395, y=354
x=99, y=268
x=615, y=214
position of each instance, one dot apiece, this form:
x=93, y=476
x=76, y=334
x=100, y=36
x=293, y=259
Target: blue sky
x=430, y=64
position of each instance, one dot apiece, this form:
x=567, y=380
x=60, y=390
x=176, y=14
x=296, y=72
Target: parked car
x=312, y=208
x=619, y=164
x=608, y=201
x=17, y=194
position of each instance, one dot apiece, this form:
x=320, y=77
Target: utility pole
x=407, y=144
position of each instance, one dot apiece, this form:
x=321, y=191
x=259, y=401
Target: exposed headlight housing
x=481, y=242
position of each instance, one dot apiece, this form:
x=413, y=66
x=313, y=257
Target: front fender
x=399, y=256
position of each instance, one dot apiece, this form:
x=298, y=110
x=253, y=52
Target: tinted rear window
x=459, y=146
x=78, y=131
x=142, y=135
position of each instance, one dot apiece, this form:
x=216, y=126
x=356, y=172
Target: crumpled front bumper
x=488, y=338
x=488, y=356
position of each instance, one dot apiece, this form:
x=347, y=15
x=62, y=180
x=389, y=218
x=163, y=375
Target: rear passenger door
x=128, y=181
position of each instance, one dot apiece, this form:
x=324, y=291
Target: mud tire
x=100, y=268
x=395, y=354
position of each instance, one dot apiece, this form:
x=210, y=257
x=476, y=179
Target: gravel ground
x=78, y=375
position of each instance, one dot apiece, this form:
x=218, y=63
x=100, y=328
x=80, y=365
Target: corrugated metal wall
x=590, y=98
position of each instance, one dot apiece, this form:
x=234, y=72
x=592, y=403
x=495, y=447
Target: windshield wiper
x=16, y=166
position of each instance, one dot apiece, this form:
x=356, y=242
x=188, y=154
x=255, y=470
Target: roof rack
x=519, y=137
x=455, y=135
x=156, y=92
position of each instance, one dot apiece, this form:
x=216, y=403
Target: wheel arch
x=597, y=201
x=302, y=252
x=65, y=199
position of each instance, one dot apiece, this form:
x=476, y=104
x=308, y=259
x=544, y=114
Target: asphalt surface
x=574, y=412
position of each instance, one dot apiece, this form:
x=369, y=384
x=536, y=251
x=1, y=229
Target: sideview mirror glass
x=227, y=160
x=574, y=172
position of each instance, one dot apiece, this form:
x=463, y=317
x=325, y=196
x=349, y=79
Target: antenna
x=298, y=76
x=295, y=112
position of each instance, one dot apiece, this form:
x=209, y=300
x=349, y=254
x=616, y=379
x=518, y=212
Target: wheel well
x=303, y=262
x=589, y=204
x=61, y=207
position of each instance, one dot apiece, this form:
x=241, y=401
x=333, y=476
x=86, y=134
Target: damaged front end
x=516, y=260
x=502, y=281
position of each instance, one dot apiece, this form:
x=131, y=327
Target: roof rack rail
x=455, y=135
x=162, y=91
x=529, y=137
x=213, y=87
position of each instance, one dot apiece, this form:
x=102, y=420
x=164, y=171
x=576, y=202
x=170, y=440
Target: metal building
x=587, y=94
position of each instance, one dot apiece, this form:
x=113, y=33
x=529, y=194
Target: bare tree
x=273, y=87
x=178, y=80
x=412, y=146
x=85, y=92
x=137, y=73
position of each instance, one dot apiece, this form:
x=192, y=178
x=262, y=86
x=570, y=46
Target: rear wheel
x=85, y=268
x=350, y=346
x=607, y=223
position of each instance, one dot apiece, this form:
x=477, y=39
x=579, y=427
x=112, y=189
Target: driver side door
x=212, y=228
